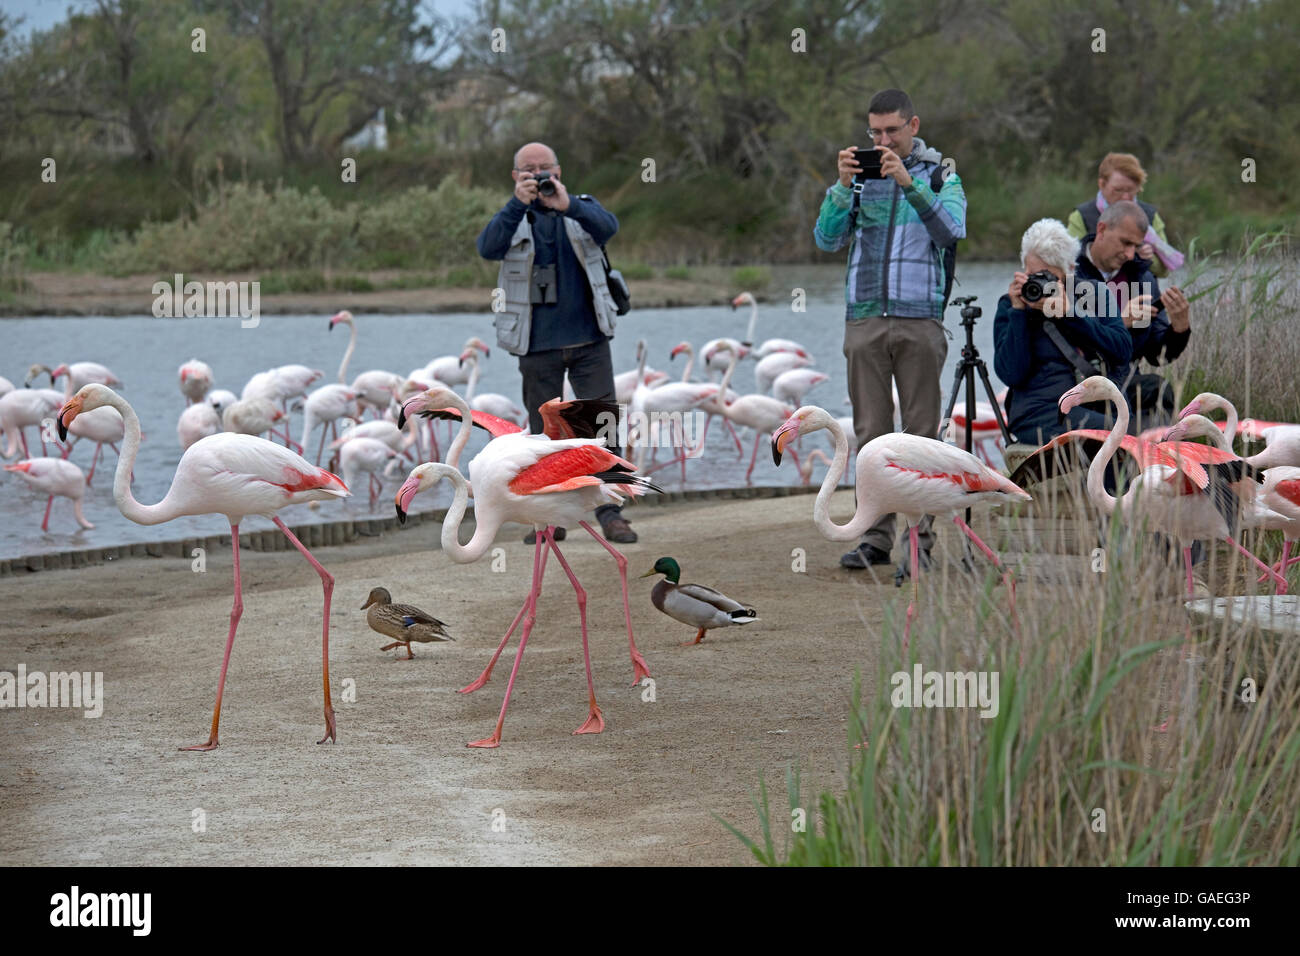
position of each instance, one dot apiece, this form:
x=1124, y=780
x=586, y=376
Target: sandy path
x=400, y=786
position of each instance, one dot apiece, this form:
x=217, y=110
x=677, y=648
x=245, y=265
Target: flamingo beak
x=781, y=438
x=1192, y=407
x=1175, y=432
x=71, y=409
x=402, y=416
x=410, y=488
x=1071, y=399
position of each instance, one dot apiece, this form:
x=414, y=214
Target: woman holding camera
x=1052, y=329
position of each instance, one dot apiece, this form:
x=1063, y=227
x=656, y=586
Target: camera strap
x=1081, y=367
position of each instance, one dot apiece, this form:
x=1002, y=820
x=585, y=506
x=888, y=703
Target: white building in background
x=374, y=135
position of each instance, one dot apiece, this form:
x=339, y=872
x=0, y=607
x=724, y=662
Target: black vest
x=1088, y=210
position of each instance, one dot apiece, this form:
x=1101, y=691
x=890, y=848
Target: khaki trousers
x=911, y=352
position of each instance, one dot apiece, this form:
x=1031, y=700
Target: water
x=145, y=353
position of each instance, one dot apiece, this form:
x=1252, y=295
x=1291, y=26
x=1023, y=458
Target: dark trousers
x=591, y=373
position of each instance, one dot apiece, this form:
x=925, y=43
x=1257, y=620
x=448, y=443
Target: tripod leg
x=993, y=400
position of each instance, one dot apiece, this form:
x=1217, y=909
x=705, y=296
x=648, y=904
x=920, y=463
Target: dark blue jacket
x=1157, y=342
x=1036, y=372
x=571, y=320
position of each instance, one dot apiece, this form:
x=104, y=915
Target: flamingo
x=323, y=408
x=713, y=354
x=369, y=455
x=230, y=475
x=769, y=346
x=767, y=369
x=909, y=475
x=450, y=369
x=251, y=416
x=221, y=399
x=523, y=478
x=54, y=476
x=23, y=407
x=791, y=387
x=712, y=406
x=573, y=419
x=345, y=318
x=103, y=426
x=196, y=379
x=762, y=413
x=984, y=429
x=673, y=398
x=814, y=456
x=491, y=402
x=78, y=374
x=6, y=386
x=376, y=390
x=197, y=421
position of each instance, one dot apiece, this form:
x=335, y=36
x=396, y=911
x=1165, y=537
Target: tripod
x=966, y=368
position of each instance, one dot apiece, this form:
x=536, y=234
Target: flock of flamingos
x=1184, y=488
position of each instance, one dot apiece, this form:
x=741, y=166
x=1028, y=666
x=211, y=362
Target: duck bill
x=781, y=438
x=71, y=409
x=652, y=571
x=410, y=488
x=369, y=601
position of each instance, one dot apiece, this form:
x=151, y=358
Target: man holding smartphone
x=897, y=225
x=559, y=313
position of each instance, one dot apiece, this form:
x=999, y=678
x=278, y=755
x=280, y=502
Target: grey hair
x=1125, y=211
x=1050, y=241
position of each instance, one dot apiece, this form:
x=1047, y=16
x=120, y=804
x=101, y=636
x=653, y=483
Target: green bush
x=751, y=277
x=677, y=272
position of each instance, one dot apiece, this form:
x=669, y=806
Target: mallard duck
x=694, y=604
x=402, y=621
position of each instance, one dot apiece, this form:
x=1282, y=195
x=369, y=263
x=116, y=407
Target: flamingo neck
x=473, y=378
x=466, y=425
x=122, y=497
x=484, y=533
x=690, y=363
x=726, y=382
x=753, y=321
x=347, y=356
x=1104, y=500
x=864, y=516
x=1230, y=429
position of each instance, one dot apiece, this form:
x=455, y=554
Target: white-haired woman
x=1036, y=369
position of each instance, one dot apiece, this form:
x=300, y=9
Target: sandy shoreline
x=400, y=786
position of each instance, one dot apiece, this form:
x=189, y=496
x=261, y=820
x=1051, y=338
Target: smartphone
x=869, y=160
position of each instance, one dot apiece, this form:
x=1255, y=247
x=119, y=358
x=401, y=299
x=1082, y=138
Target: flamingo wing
x=577, y=418
x=494, y=426
x=573, y=468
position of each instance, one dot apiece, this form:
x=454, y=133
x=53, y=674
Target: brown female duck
x=403, y=622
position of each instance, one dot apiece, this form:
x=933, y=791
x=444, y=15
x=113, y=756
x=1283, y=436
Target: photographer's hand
x=891, y=165
x=560, y=201
x=848, y=166
x=1138, y=312
x=526, y=190
x=1177, y=308
x=1013, y=290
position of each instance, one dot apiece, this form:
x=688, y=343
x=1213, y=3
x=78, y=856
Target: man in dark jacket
x=1039, y=370
x=558, y=313
x=1159, y=335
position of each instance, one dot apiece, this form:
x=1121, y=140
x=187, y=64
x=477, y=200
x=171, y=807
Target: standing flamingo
x=769, y=346
x=197, y=421
x=345, y=318
x=23, y=407
x=196, y=379
x=544, y=483
x=762, y=413
x=493, y=403
x=103, y=426
x=323, y=408
x=368, y=455
x=672, y=399
x=450, y=369
x=54, y=477
x=770, y=368
x=711, y=407
x=78, y=373
x=231, y=475
x=909, y=475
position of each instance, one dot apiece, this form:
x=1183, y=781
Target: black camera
x=544, y=185
x=1039, y=286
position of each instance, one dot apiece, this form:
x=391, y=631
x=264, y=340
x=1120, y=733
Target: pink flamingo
x=769, y=346
x=713, y=406
x=909, y=475
x=762, y=413
x=78, y=374
x=23, y=407
x=54, y=477
x=984, y=429
x=227, y=474
x=670, y=399
x=197, y=421
x=368, y=455
x=526, y=479
x=103, y=426
x=196, y=380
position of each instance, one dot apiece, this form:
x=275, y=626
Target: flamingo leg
x=99, y=446
x=1281, y=565
x=530, y=617
x=595, y=721
x=740, y=451
x=1277, y=578
x=1007, y=578
x=681, y=448
x=916, y=575
x=1185, y=655
x=327, y=586
x=45, y=522
x=321, y=447
x=640, y=668
x=67, y=449
x=758, y=436
x=22, y=440
x=483, y=678
x=236, y=611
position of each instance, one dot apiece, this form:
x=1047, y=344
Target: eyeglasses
x=544, y=168
x=892, y=132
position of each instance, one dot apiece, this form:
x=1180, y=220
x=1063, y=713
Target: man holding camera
x=558, y=312
x=1051, y=331
x=898, y=213
x=1159, y=323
